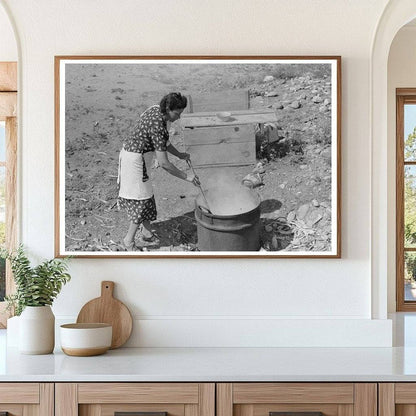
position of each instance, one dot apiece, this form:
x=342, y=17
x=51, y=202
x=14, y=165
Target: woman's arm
x=164, y=162
x=175, y=152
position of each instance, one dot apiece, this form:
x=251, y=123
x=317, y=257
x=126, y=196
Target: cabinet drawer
x=21, y=399
x=106, y=399
x=397, y=399
x=296, y=399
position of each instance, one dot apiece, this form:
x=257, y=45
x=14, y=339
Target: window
x=406, y=199
x=8, y=170
x=2, y=206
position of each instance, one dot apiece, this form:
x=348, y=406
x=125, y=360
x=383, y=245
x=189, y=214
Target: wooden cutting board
x=107, y=309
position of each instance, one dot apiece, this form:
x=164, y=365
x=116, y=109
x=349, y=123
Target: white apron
x=130, y=175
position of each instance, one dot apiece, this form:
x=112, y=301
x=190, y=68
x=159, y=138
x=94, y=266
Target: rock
x=291, y=216
x=83, y=222
x=302, y=97
x=326, y=153
x=302, y=211
x=268, y=78
x=282, y=186
x=327, y=102
x=295, y=105
x=259, y=168
x=271, y=94
x=278, y=106
x=313, y=217
x=317, y=99
x=315, y=203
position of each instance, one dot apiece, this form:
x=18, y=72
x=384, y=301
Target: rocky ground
x=293, y=165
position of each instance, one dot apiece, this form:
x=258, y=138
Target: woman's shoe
x=131, y=246
x=148, y=236
x=150, y=239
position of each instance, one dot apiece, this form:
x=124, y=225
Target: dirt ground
x=103, y=103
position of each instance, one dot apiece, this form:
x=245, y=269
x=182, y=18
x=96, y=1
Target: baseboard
x=258, y=332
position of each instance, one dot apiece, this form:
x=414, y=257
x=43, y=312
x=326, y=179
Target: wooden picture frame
x=263, y=134
x=404, y=291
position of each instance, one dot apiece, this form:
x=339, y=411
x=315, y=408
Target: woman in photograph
x=150, y=136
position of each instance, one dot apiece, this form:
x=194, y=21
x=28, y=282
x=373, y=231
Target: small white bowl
x=83, y=340
x=224, y=115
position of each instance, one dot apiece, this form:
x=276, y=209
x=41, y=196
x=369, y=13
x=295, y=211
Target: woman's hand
x=184, y=156
x=190, y=177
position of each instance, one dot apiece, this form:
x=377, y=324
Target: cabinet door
x=26, y=399
x=297, y=399
x=397, y=399
x=144, y=399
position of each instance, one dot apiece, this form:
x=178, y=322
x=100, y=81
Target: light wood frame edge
x=365, y=399
x=386, y=399
x=337, y=58
x=66, y=399
x=224, y=399
x=11, y=184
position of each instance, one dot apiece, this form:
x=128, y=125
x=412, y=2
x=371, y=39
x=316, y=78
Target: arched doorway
x=396, y=14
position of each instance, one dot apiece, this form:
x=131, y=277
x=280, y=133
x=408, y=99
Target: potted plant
x=36, y=289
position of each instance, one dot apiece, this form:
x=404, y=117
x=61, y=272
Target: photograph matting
x=256, y=155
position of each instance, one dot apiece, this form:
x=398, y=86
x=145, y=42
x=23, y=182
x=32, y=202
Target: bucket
x=240, y=232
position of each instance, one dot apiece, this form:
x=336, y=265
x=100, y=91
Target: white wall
x=179, y=302
x=8, y=47
x=401, y=74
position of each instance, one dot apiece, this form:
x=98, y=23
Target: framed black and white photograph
x=198, y=156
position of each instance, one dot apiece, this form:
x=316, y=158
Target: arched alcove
x=401, y=73
x=396, y=14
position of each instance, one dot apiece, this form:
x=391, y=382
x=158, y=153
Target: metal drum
x=240, y=232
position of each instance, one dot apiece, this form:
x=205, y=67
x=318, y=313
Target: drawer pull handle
x=139, y=414
x=296, y=414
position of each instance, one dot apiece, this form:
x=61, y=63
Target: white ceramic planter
x=13, y=331
x=37, y=330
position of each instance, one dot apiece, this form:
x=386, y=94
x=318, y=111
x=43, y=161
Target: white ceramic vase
x=13, y=331
x=37, y=330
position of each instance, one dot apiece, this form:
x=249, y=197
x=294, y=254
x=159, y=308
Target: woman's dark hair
x=173, y=101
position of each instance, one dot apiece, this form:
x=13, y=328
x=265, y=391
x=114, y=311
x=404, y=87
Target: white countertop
x=213, y=364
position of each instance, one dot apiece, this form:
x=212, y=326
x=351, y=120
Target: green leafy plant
x=35, y=286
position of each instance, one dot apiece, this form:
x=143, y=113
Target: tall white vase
x=37, y=330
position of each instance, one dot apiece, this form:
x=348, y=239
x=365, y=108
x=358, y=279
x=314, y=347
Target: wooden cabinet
x=27, y=399
x=297, y=399
x=397, y=399
x=105, y=399
x=207, y=399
